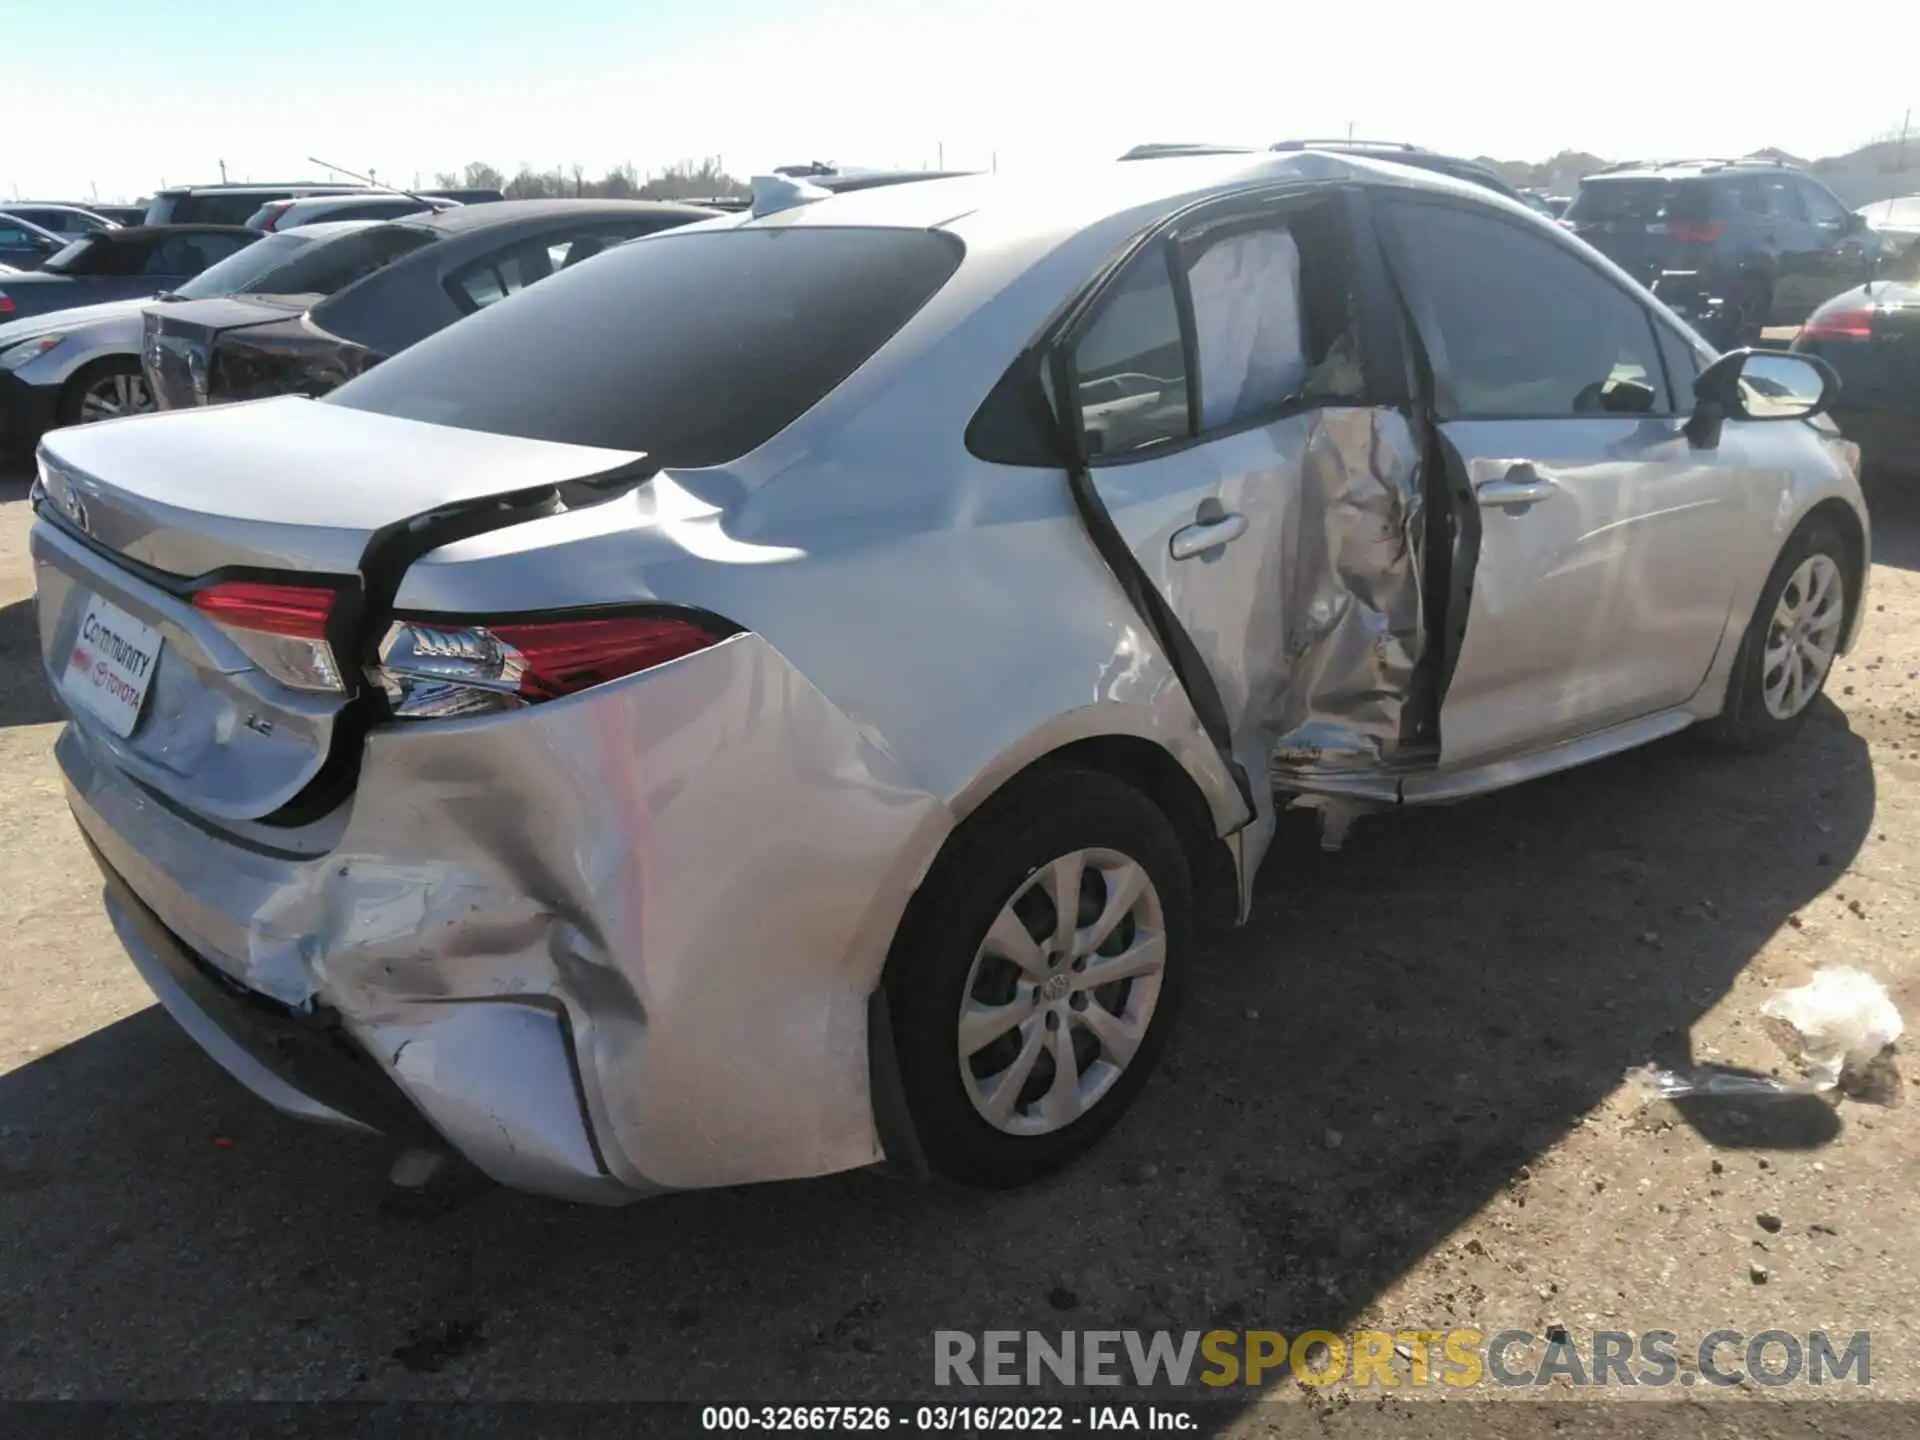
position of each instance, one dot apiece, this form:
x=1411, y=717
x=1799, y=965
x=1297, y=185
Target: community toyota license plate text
x=112, y=663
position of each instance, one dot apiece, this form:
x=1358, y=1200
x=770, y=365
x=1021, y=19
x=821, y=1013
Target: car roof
x=327, y=229
x=23, y=221
x=133, y=234
x=495, y=213
x=1686, y=169
x=51, y=205
x=1013, y=208
x=259, y=186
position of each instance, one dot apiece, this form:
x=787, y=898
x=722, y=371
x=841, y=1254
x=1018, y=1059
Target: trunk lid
x=139, y=516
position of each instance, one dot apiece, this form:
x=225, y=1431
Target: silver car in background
x=78, y=366
x=780, y=696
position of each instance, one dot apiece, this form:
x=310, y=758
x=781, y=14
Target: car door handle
x=1521, y=485
x=1205, y=535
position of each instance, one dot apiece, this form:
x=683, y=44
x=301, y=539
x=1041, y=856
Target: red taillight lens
x=282, y=628
x=7, y=306
x=272, y=609
x=1697, y=232
x=1839, y=325
x=561, y=656
x=433, y=669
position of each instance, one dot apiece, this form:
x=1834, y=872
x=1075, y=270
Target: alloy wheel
x=112, y=396
x=1803, y=636
x=1061, y=991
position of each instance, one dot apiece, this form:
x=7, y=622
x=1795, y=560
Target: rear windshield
x=326, y=266
x=239, y=270
x=1641, y=199
x=695, y=348
x=95, y=255
x=218, y=208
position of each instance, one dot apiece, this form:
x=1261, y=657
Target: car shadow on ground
x=1403, y=1027
x=1893, y=501
x=24, y=696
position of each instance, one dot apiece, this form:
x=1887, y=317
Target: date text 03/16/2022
x=937, y=1419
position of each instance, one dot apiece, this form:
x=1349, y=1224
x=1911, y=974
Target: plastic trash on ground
x=1840, y=1028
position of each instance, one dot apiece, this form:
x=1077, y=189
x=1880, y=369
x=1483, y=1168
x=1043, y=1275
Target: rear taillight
x=282, y=628
x=1856, y=324
x=7, y=306
x=1696, y=232
x=435, y=669
x=275, y=215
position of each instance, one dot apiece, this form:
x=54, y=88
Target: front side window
x=695, y=348
x=1528, y=329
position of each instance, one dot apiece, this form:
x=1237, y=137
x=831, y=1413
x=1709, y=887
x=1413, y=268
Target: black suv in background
x=1734, y=245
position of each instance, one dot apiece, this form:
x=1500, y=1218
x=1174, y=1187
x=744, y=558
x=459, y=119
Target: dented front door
x=1592, y=579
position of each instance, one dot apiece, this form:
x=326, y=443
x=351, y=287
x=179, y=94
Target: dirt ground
x=1396, y=1100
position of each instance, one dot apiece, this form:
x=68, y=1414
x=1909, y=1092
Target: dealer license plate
x=111, y=665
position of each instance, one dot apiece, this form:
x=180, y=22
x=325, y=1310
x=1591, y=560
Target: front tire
x=1024, y=1027
x=1791, y=642
x=106, y=390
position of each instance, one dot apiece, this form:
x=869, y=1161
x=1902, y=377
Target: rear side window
x=219, y=208
x=327, y=266
x=1640, y=199
x=190, y=254
x=1131, y=364
x=1772, y=197
x=694, y=348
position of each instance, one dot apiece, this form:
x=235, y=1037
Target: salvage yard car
x=780, y=697
x=420, y=274
x=78, y=366
x=138, y=260
x=1871, y=338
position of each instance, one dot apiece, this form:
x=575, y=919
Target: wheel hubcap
x=114, y=395
x=1803, y=636
x=1061, y=992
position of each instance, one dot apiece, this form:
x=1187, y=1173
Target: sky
x=112, y=98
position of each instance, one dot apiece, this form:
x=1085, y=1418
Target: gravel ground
x=1396, y=1100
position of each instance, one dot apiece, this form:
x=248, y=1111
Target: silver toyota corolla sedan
x=779, y=697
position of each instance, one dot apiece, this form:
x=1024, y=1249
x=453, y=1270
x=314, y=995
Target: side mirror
x=1759, y=385
x=1856, y=222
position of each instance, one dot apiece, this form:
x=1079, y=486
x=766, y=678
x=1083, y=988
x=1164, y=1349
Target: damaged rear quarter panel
x=701, y=864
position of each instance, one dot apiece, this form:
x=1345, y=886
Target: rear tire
x=106, y=390
x=1791, y=642
x=990, y=996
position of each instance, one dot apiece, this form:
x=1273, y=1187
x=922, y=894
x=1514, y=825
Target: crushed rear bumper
x=602, y=947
